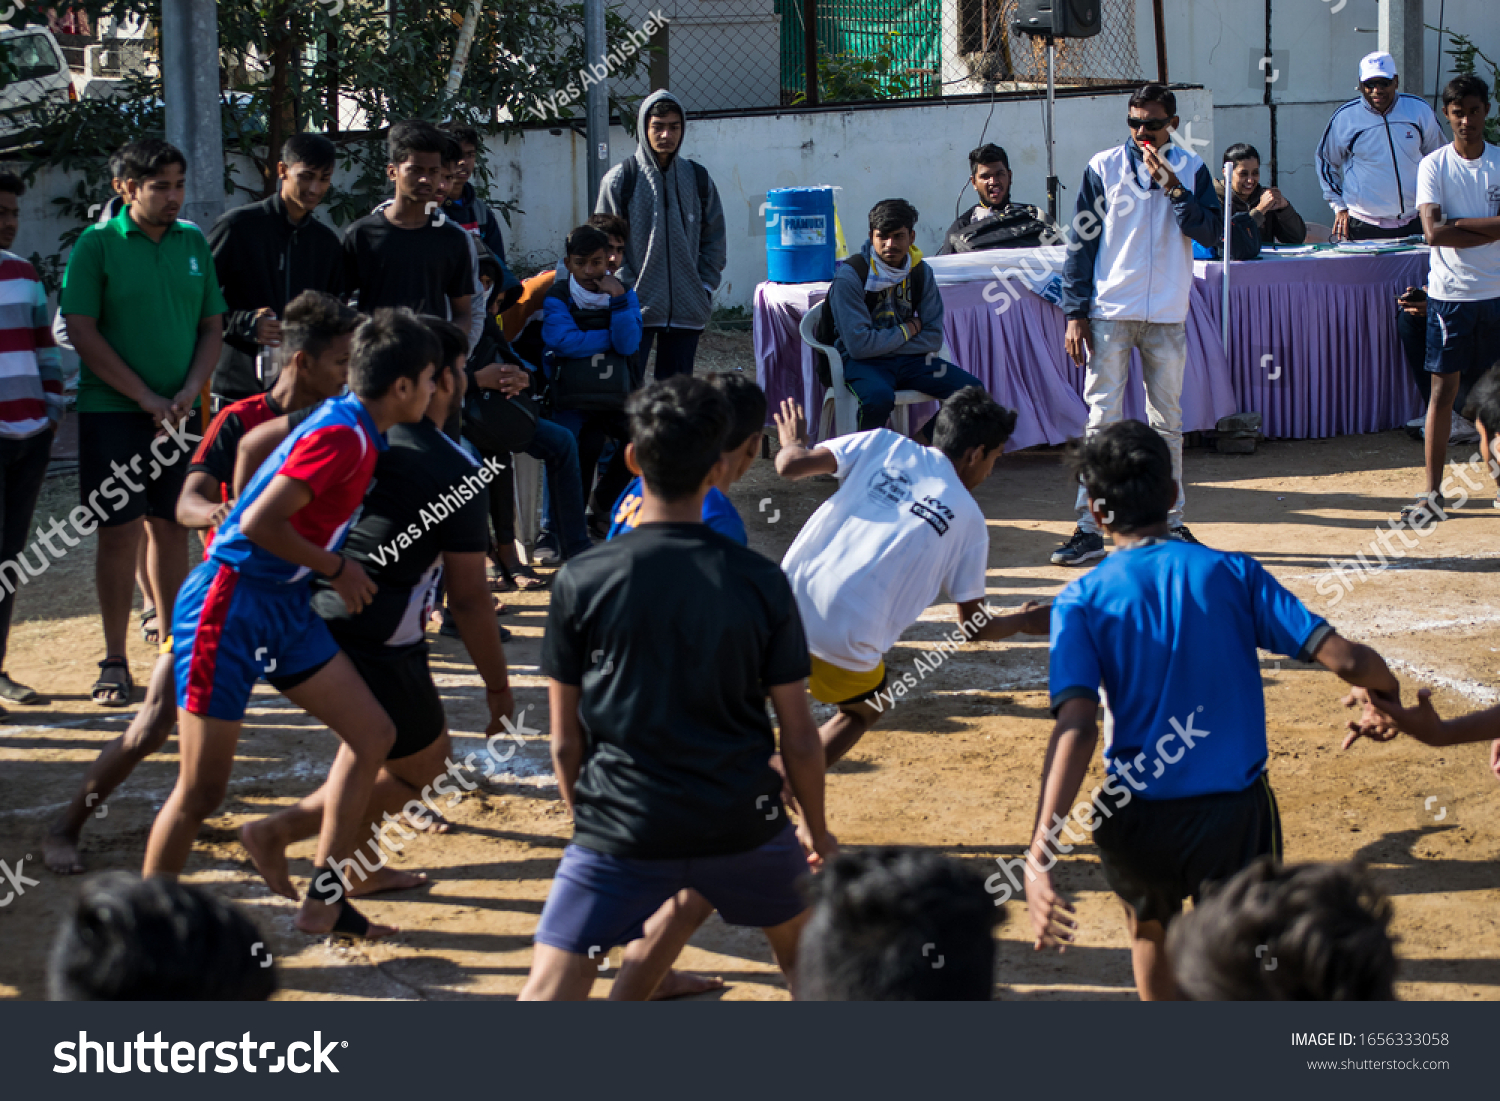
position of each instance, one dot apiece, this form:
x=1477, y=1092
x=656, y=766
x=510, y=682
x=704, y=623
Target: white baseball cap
x=1377, y=65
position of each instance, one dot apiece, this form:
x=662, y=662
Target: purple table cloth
x=1329, y=321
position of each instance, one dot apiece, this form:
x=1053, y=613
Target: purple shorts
x=598, y=901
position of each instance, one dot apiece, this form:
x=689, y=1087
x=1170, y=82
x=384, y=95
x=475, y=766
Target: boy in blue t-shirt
x=1170, y=630
x=747, y=401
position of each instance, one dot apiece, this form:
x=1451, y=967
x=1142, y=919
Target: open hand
x=1038, y=618
x=791, y=425
x=1053, y=920
x=1340, y=226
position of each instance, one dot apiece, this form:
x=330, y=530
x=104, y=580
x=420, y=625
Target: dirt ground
x=953, y=769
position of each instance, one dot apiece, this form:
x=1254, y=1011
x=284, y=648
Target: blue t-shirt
x=1170, y=629
x=718, y=513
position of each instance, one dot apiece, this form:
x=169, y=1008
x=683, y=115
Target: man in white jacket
x=1126, y=285
x=1368, y=158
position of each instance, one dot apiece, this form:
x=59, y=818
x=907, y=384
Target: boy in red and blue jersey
x=246, y=612
x=1169, y=629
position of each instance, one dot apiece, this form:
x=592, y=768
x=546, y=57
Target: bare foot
x=268, y=855
x=684, y=984
x=387, y=879
x=429, y=822
x=60, y=854
x=318, y=919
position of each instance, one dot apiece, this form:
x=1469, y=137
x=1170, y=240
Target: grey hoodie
x=677, y=248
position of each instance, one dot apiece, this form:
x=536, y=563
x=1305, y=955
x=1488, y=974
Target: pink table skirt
x=1328, y=321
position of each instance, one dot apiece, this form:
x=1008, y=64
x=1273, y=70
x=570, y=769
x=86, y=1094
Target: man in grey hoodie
x=676, y=252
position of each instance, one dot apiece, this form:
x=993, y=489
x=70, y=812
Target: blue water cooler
x=800, y=236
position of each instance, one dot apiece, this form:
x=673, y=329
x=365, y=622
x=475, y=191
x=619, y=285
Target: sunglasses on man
x=1379, y=85
x=1149, y=125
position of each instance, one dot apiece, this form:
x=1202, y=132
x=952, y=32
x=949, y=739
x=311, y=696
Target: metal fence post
x=810, y=49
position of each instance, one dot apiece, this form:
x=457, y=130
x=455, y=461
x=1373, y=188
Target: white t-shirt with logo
x=1464, y=189
x=900, y=530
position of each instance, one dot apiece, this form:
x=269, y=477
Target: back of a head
x=970, y=418
x=889, y=215
x=390, y=345
x=312, y=321
x=1127, y=469
x=453, y=342
x=415, y=136
x=130, y=939
x=313, y=150
x=144, y=158
x=897, y=925
x=1315, y=932
x=612, y=224
x=678, y=427
x=1484, y=401
x=747, y=406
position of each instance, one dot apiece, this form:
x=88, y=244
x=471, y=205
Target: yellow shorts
x=831, y=684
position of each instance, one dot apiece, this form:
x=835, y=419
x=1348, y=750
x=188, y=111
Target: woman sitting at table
x=1279, y=224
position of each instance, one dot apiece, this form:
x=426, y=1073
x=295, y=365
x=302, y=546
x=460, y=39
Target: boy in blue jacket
x=590, y=315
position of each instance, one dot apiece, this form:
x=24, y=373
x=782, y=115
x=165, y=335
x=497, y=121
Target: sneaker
x=546, y=554
x=1419, y=423
x=1425, y=511
x=1463, y=431
x=1182, y=535
x=13, y=692
x=1085, y=546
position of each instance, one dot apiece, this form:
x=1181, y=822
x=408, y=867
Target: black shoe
x=1085, y=546
x=1425, y=511
x=1182, y=535
x=598, y=529
x=546, y=554
x=12, y=692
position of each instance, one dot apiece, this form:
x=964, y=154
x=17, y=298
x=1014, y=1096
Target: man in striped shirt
x=31, y=406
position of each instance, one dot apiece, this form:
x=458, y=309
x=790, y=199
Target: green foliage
x=1466, y=58
x=845, y=77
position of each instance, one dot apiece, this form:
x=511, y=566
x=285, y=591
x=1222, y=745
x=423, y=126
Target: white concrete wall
x=1315, y=58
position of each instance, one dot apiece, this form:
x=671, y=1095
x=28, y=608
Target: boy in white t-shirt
x=902, y=527
x=1458, y=195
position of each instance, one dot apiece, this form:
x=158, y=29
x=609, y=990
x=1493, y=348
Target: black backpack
x=1016, y=226
x=600, y=383
x=826, y=331
x=630, y=170
x=494, y=423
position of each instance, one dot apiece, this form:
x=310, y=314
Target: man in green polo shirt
x=144, y=311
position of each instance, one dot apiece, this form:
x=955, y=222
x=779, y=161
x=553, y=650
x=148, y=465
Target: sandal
x=109, y=693
x=149, y=631
x=526, y=579
x=1424, y=512
x=349, y=922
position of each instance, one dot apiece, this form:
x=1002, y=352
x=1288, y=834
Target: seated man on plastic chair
x=888, y=320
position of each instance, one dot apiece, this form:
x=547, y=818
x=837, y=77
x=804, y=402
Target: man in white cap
x=1368, y=158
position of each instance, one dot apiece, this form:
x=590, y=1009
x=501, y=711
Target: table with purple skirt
x=1313, y=348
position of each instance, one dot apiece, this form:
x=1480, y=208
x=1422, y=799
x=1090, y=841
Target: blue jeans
x=562, y=504
x=875, y=382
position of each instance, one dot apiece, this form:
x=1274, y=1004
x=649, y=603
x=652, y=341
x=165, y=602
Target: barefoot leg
x=840, y=733
x=784, y=939
x=647, y=966
x=207, y=752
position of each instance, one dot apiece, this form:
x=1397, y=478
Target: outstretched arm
x=803, y=759
x=1032, y=619
x=1072, y=745
x=795, y=459
x=1423, y=723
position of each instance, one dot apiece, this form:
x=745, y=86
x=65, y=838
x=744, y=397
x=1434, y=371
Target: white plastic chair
x=840, y=406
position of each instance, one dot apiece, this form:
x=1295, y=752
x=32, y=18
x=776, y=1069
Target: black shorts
x=400, y=680
x=126, y=469
x=1158, y=852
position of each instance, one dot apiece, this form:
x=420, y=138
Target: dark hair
x=11, y=184
x=747, y=406
x=1128, y=468
x=133, y=939
x=312, y=321
x=415, y=136
x=678, y=427
x=971, y=418
x=1318, y=932
x=1155, y=93
x=117, y=164
x=452, y=341
x=390, y=345
x=1238, y=152
x=889, y=215
x=587, y=240
x=452, y=151
x=890, y=924
x=1461, y=87
x=612, y=225
x=988, y=153
x=664, y=107
x=313, y=150
x=142, y=159
x=1484, y=401
x=466, y=135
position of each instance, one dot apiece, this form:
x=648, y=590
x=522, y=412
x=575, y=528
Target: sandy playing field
x=953, y=769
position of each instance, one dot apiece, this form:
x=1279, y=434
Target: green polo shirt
x=148, y=298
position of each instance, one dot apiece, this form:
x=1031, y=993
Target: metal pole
x=596, y=103
x=1160, y=19
x=810, y=49
x=1052, y=183
x=1228, y=225
x=190, y=77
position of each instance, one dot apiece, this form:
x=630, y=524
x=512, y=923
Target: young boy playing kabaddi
x=246, y=612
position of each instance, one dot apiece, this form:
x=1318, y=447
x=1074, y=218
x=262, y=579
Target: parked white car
x=38, y=74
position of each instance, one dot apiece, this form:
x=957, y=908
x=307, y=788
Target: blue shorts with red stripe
x=229, y=631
